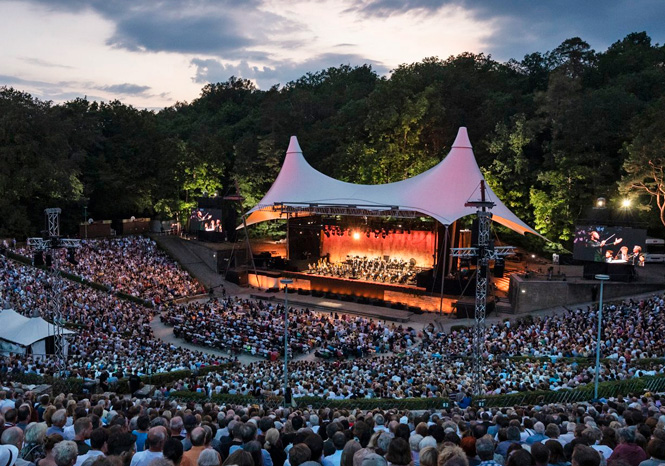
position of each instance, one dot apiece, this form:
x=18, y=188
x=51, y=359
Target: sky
x=154, y=53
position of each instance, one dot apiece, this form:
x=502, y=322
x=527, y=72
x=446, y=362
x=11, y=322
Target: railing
x=655, y=384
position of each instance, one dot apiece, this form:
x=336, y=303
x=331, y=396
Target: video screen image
x=203, y=219
x=600, y=243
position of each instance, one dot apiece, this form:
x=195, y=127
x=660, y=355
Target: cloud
x=125, y=89
x=44, y=63
x=8, y=80
x=213, y=70
x=217, y=27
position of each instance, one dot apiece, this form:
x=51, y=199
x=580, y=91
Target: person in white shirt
x=155, y=443
x=569, y=435
x=98, y=439
x=378, y=423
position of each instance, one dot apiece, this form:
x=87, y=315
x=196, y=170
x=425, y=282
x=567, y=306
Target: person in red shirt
x=628, y=450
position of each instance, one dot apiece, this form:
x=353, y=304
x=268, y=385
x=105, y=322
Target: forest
x=552, y=132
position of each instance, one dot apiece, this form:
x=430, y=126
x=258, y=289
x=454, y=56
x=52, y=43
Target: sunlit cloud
x=152, y=54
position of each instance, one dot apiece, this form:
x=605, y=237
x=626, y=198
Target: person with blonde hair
x=273, y=445
x=33, y=442
x=450, y=452
x=428, y=456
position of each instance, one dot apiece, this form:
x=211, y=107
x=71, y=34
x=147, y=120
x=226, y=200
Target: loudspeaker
x=38, y=259
x=474, y=233
x=49, y=260
x=71, y=256
x=238, y=276
x=424, y=278
x=499, y=267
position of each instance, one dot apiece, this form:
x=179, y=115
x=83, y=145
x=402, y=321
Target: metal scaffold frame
x=484, y=252
x=51, y=245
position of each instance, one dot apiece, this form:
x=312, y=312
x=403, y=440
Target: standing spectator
x=155, y=443
x=656, y=450
x=350, y=449
x=141, y=432
x=176, y=428
x=33, y=442
x=273, y=445
x=173, y=451
x=82, y=431
x=191, y=456
x=557, y=457
x=585, y=456
x=209, y=457
x=8, y=455
x=429, y=456
x=399, y=453
x=58, y=421
x=98, y=439
x=540, y=453
x=65, y=453
x=14, y=436
x=627, y=450
x=50, y=442
x=539, y=436
x=484, y=450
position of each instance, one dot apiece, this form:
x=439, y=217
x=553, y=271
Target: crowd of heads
x=112, y=335
x=257, y=328
x=358, y=357
x=111, y=431
x=134, y=265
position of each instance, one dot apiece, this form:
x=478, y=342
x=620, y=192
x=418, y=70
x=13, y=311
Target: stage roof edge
x=440, y=192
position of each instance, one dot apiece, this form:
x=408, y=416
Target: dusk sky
x=154, y=53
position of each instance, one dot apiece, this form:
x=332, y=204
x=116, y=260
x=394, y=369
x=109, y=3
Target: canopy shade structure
x=440, y=192
x=22, y=330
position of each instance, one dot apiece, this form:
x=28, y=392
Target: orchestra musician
x=594, y=241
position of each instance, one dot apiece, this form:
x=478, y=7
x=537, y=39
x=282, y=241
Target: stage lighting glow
x=356, y=235
x=625, y=203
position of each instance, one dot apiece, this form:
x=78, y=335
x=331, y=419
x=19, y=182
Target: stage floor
x=384, y=285
x=326, y=305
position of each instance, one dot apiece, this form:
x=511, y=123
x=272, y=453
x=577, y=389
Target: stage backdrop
x=418, y=245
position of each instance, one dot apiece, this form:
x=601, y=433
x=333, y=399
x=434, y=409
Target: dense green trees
x=551, y=132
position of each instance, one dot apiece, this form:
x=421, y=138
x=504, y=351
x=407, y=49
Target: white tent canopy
x=24, y=331
x=439, y=192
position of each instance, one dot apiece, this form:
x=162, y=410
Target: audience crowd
x=257, y=327
x=364, y=358
x=106, y=430
x=131, y=264
x=113, y=335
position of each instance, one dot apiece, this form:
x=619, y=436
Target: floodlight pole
x=286, y=282
x=602, y=279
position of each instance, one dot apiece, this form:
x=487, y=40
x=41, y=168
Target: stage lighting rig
x=46, y=246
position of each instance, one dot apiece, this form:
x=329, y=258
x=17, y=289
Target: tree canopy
x=551, y=132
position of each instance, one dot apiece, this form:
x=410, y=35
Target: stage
x=397, y=296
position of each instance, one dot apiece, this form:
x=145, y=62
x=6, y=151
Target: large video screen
x=599, y=243
x=203, y=219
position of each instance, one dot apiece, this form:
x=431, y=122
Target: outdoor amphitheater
x=221, y=247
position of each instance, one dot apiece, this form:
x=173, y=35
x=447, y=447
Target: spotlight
x=356, y=235
x=600, y=203
x=625, y=203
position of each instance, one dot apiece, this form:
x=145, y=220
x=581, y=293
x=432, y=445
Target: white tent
x=439, y=192
x=18, y=332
